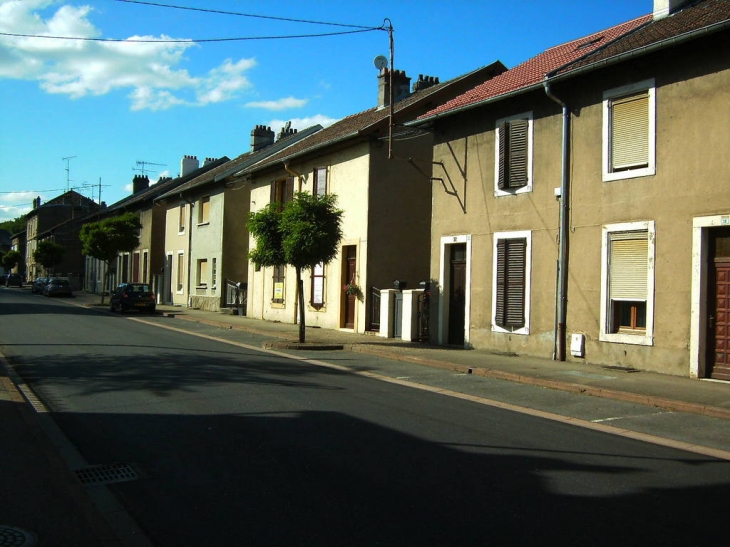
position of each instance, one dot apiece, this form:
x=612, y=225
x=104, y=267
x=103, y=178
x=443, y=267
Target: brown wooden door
x=457, y=293
x=718, y=324
x=350, y=253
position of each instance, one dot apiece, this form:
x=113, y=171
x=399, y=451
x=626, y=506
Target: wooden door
x=350, y=253
x=457, y=293
x=718, y=320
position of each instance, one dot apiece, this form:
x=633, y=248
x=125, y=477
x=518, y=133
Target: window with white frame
x=627, y=283
x=629, y=129
x=202, y=280
x=317, y=288
x=277, y=296
x=181, y=219
x=511, y=269
x=320, y=181
x=214, y=273
x=513, y=155
x=180, y=271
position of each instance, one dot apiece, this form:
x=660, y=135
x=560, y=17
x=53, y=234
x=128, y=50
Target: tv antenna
x=68, y=159
x=141, y=167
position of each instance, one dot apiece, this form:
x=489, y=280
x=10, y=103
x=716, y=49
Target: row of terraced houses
x=575, y=206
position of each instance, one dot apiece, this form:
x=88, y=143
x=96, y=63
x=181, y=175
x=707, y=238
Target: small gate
x=424, y=301
x=375, y=309
x=236, y=295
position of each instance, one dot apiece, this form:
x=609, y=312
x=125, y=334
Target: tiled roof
x=701, y=15
x=368, y=121
x=532, y=71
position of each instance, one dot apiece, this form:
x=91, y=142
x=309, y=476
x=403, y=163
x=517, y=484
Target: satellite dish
x=380, y=62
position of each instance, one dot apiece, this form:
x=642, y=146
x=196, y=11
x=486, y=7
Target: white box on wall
x=577, y=345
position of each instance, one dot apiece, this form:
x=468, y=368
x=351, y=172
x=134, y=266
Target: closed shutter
x=289, y=191
x=510, y=297
x=513, y=148
x=320, y=181
x=629, y=266
x=630, y=131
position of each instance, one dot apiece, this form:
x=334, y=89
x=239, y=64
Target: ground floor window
x=627, y=283
x=317, y=289
x=278, y=283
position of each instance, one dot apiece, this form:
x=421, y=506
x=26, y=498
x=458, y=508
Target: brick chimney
x=188, y=165
x=401, y=86
x=285, y=132
x=139, y=183
x=261, y=137
x=663, y=8
x=424, y=82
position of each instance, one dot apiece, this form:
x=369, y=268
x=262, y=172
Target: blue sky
x=108, y=105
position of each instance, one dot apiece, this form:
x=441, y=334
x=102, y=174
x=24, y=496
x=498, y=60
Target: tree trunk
x=300, y=296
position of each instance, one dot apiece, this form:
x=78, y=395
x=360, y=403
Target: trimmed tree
x=11, y=259
x=49, y=254
x=104, y=240
x=306, y=232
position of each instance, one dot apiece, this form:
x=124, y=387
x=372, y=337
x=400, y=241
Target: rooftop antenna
x=142, y=169
x=68, y=159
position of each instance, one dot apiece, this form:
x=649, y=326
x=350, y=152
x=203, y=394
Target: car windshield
x=59, y=281
x=138, y=288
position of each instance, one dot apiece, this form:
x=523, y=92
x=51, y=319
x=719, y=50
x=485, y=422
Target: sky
x=149, y=82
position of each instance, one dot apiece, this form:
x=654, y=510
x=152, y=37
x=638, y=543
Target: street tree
x=49, y=254
x=105, y=239
x=11, y=259
x=305, y=232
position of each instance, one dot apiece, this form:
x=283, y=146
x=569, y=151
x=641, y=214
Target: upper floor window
x=320, y=181
x=513, y=155
x=181, y=219
x=282, y=191
x=627, y=283
x=204, y=210
x=629, y=127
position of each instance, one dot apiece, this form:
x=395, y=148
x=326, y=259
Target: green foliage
x=264, y=225
x=11, y=259
x=105, y=239
x=311, y=228
x=49, y=254
x=14, y=226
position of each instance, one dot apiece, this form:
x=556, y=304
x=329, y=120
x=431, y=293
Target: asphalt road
x=235, y=446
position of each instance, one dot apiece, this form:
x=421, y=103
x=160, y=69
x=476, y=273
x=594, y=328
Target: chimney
x=663, y=8
x=261, y=137
x=286, y=131
x=139, y=183
x=401, y=86
x=209, y=160
x=188, y=165
x=424, y=82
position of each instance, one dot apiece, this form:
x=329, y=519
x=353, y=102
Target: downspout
x=190, y=246
x=561, y=298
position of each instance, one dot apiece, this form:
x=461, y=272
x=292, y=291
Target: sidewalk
x=704, y=397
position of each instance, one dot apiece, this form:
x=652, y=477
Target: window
x=629, y=131
x=145, y=265
x=282, y=191
x=317, y=286
x=513, y=155
x=181, y=219
x=278, y=279
x=180, y=271
x=627, y=273
x=511, y=283
x=320, y=181
x=214, y=273
x=135, y=267
x=202, y=273
x=204, y=210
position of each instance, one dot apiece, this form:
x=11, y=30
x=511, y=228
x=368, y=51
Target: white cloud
x=150, y=70
x=303, y=123
x=280, y=104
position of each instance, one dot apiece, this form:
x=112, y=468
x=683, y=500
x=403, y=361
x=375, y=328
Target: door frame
x=444, y=283
x=701, y=227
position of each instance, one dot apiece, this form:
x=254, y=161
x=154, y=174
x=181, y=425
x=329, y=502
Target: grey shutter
x=503, y=147
x=518, y=147
x=510, y=297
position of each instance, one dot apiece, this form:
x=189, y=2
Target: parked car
x=13, y=280
x=57, y=286
x=38, y=285
x=132, y=296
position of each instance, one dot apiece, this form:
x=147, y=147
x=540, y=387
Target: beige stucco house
x=383, y=188
x=588, y=198
x=206, y=241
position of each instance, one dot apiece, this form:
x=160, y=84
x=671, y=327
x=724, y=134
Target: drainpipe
x=561, y=299
x=190, y=246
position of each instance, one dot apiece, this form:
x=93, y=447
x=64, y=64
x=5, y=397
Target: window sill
x=206, y=223
x=512, y=191
x=629, y=174
x=640, y=338
x=521, y=331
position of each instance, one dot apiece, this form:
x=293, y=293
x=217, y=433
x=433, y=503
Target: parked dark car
x=57, y=286
x=132, y=296
x=13, y=280
x=38, y=285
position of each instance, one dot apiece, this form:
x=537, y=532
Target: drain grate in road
x=107, y=474
x=10, y=536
